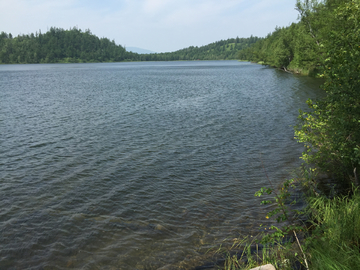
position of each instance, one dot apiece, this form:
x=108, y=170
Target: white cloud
x=153, y=7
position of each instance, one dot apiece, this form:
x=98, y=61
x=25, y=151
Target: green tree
x=331, y=131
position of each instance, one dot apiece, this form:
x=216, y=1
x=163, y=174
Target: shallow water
x=139, y=165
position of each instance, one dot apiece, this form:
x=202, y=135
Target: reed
x=335, y=239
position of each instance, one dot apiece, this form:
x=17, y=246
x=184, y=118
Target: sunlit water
x=139, y=165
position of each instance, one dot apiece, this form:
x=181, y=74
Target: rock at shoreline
x=264, y=267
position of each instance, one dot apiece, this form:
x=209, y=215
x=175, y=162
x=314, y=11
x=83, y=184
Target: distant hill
x=219, y=50
x=138, y=50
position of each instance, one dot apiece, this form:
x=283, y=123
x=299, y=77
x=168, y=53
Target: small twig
x=298, y=242
x=356, y=179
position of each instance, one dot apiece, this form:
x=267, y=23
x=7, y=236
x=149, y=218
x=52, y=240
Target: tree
x=331, y=132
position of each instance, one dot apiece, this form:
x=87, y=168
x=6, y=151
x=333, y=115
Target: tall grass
x=332, y=242
x=246, y=254
x=335, y=239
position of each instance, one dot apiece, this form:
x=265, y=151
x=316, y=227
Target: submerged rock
x=159, y=227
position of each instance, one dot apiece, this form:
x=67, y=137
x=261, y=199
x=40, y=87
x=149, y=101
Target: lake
x=139, y=165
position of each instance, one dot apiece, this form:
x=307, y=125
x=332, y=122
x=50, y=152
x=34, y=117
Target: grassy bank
x=335, y=232
x=328, y=239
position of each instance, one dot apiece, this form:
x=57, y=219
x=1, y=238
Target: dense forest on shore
x=220, y=50
x=302, y=47
x=74, y=46
x=59, y=45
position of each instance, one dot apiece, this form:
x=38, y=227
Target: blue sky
x=157, y=25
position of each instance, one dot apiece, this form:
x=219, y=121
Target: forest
x=76, y=46
x=220, y=50
x=303, y=47
x=60, y=46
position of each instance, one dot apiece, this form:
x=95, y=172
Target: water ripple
x=138, y=165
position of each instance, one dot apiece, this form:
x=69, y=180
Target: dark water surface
x=138, y=165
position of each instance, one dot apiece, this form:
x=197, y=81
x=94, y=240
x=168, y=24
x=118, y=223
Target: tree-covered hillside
x=220, y=50
x=59, y=45
x=74, y=45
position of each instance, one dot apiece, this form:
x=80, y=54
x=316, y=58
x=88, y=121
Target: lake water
x=139, y=165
